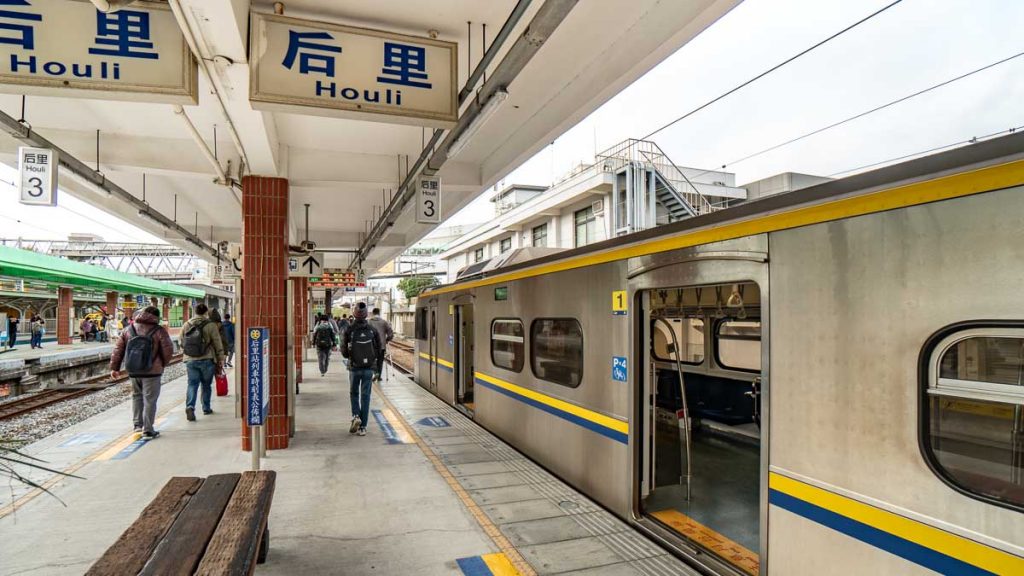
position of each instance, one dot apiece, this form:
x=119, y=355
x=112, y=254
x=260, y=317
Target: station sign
x=257, y=375
x=428, y=200
x=69, y=48
x=300, y=265
x=37, y=175
x=309, y=67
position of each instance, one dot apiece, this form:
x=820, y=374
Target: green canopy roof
x=26, y=264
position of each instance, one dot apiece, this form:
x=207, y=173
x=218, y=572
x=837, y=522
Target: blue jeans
x=360, y=384
x=200, y=372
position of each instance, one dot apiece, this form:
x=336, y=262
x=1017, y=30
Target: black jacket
x=346, y=338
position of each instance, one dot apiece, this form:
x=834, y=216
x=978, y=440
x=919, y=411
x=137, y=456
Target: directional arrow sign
x=310, y=264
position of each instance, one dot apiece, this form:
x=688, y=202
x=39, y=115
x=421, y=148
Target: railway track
x=402, y=345
x=46, y=398
x=402, y=357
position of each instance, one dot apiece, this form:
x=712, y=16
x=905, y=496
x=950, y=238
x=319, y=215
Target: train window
x=738, y=344
x=974, y=412
x=556, y=350
x=508, y=344
x=421, y=324
x=689, y=335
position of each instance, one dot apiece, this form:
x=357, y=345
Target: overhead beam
x=96, y=179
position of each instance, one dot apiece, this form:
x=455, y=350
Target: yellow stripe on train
x=440, y=361
x=947, y=543
x=589, y=415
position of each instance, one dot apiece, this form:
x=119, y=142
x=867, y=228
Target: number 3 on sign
x=620, y=303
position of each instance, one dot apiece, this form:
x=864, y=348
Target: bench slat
x=233, y=548
x=180, y=550
x=129, y=554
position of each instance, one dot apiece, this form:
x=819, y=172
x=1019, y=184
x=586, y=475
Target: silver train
x=829, y=381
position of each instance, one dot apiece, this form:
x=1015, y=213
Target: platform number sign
x=620, y=303
x=258, y=375
x=428, y=200
x=37, y=176
x=619, y=370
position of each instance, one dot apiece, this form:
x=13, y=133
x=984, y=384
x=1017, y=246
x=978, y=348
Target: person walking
x=42, y=331
x=325, y=339
x=384, y=334
x=37, y=338
x=144, y=349
x=12, y=331
x=113, y=332
x=343, y=324
x=229, y=339
x=204, y=357
x=361, y=346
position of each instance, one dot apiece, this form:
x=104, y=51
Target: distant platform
x=426, y=491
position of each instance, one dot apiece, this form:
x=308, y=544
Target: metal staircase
x=673, y=189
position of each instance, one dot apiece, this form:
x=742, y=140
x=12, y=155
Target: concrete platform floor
x=425, y=492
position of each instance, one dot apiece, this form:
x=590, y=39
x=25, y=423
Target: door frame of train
x=462, y=352
x=432, y=346
x=704, y=265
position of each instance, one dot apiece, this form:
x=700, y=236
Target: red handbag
x=222, y=384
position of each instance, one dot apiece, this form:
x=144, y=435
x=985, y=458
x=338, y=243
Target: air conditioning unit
x=597, y=206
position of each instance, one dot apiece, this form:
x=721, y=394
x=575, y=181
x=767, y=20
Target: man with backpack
x=144, y=349
x=361, y=346
x=325, y=339
x=204, y=357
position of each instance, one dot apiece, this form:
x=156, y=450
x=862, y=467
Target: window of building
x=478, y=254
x=540, y=235
x=505, y=245
x=556, y=350
x=508, y=344
x=974, y=412
x=738, y=344
x=586, y=226
x=689, y=335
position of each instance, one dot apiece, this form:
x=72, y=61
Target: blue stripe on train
x=905, y=549
x=592, y=426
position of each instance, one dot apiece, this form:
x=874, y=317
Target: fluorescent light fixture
x=492, y=105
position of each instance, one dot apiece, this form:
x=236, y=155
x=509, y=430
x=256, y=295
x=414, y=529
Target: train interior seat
x=723, y=400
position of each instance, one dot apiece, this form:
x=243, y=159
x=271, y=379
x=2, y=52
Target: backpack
x=194, y=343
x=323, y=338
x=362, y=352
x=138, y=352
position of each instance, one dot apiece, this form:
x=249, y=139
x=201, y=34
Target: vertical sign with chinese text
x=309, y=67
x=137, y=53
x=37, y=176
x=257, y=375
x=428, y=200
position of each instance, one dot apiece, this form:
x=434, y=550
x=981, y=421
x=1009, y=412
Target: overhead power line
x=873, y=110
x=972, y=140
x=774, y=68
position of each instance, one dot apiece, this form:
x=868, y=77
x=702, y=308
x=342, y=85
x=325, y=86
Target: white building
x=630, y=187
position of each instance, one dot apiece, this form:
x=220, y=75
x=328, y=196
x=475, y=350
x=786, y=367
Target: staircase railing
x=649, y=153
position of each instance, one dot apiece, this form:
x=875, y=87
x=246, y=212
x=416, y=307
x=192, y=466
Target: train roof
x=979, y=167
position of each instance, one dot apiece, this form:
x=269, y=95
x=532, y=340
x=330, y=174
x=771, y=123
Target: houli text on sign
x=137, y=53
x=351, y=71
x=37, y=171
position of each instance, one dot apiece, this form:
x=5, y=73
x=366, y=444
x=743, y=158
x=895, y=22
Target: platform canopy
x=559, y=61
x=28, y=265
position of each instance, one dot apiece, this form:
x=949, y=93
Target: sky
x=911, y=46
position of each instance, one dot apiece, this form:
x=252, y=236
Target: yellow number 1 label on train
x=620, y=303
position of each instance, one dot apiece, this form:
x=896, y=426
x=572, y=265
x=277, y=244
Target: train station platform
x=426, y=491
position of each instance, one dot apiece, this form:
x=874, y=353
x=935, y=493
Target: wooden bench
x=216, y=526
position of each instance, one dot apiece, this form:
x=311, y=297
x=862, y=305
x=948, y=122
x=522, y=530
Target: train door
x=463, y=361
x=700, y=446
x=432, y=349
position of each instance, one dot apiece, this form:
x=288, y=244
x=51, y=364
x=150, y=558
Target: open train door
x=463, y=361
x=700, y=446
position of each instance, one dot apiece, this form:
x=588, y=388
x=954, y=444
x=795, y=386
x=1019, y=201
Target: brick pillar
x=265, y=296
x=65, y=304
x=165, y=312
x=112, y=304
x=186, y=310
x=300, y=289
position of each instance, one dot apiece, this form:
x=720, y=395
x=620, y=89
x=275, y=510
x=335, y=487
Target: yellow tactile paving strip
x=105, y=452
x=708, y=538
x=521, y=567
